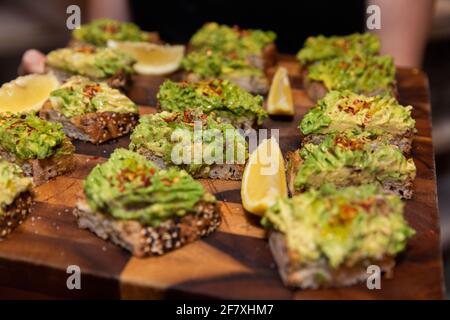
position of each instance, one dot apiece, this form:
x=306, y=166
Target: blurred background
x=41, y=24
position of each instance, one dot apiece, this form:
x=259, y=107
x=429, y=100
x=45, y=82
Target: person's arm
x=113, y=9
x=404, y=29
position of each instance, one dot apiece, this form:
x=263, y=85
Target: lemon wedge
x=27, y=93
x=152, y=59
x=280, y=101
x=264, y=179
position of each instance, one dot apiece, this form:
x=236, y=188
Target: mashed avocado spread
x=342, y=110
x=351, y=160
x=92, y=62
x=359, y=73
x=98, y=32
x=232, y=39
x=130, y=187
x=30, y=137
x=79, y=96
x=163, y=132
x=322, y=48
x=222, y=97
x=341, y=227
x=12, y=183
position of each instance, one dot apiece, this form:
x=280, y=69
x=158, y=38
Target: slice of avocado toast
x=321, y=48
x=99, y=31
x=328, y=237
x=143, y=209
x=15, y=197
x=364, y=74
x=193, y=141
x=40, y=147
x=351, y=159
x=91, y=111
x=229, y=102
x=341, y=111
x=99, y=64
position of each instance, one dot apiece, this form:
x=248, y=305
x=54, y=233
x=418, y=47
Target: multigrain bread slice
x=215, y=171
x=43, y=170
x=14, y=214
x=305, y=277
x=403, y=188
x=95, y=127
x=143, y=241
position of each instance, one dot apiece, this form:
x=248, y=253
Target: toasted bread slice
x=143, y=241
x=43, y=170
x=14, y=214
x=93, y=127
x=320, y=274
x=404, y=189
x=216, y=171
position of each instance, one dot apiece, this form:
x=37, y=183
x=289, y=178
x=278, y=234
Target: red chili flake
x=91, y=90
x=85, y=49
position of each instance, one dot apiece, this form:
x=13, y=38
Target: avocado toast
x=39, y=147
x=98, y=64
x=100, y=31
x=328, y=237
x=363, y=74
x=15, y=197
x=143, y=209
x=193, y=141
x=341, y=111
x=351, y=159
x=90, y=111
x=241, y=56
x=229, y=102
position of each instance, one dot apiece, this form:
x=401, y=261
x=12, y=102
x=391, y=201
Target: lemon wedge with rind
x=280, y=101
x=152, y=59
x=264, y=179
x=27, y=93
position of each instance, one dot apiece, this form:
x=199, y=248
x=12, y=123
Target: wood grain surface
x=234, y=262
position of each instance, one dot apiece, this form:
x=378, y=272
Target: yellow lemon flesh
x=264, y=179
x=152, y=59
x=27, y=93
x=280, y=101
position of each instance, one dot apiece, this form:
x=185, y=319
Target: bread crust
x=320, y=274
x=144, y=241
x=15, y=213
x=95, y=127
x=43, y=170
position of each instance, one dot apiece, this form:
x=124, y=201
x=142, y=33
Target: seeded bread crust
x=143, y=241
x=403, y=141
x=404, y=189
x=320, y=275
x=316, y=90
x=216, y=171
x=93, y=127
x=120, y=80
x=14, y=214
x=43, y=170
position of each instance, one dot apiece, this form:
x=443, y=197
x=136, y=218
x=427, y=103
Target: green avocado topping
x=361, y=74
x=99, y=31
x=190, y=140
x=129, y=187
x=12, y=183
x=227, y=39
x=322, y=48
x=344, y=227
x=226, y=99
x=351, y=160
x=98, y=63
x=339, y=111
x=30, y=137
x=79, y=96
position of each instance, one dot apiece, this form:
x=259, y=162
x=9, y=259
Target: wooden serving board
x=234, y=262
